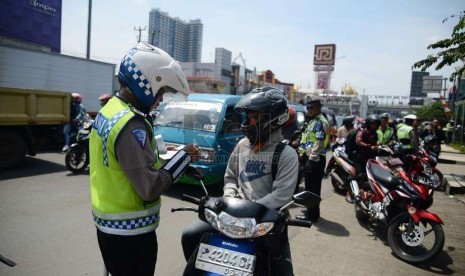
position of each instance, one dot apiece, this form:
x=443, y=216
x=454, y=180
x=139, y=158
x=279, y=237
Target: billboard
x=324, y=54
x=432, y=84
x=322, y=82
x=36, y=21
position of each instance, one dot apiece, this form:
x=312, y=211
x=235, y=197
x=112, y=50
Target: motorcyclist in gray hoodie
x=249, y=172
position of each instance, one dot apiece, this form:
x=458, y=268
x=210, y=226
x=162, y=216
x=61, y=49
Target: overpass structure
x=362, y=105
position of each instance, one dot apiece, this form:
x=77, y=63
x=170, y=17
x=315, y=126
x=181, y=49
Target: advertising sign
x=36, y=21
x=324, y=54
x=322, y=82
x=269, y=76
x=326, y=68
x=432, y=84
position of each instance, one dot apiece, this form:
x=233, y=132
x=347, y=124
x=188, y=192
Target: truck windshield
x=190, y=115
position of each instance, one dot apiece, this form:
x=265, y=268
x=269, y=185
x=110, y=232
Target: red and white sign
x=322, y=81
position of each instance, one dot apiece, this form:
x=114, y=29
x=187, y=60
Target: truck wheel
x=12, y=149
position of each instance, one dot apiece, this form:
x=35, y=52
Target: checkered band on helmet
x=146, y=69
x=136, y=81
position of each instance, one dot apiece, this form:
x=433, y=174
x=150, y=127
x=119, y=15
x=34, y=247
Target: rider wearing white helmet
x=126, y=178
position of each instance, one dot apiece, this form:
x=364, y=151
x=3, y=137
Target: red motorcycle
x=399, y=195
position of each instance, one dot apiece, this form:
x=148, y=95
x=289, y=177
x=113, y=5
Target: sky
x=377, y=42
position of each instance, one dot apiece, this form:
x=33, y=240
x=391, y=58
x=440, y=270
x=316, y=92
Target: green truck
x=30, y=119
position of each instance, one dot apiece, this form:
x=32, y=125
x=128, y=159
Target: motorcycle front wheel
x=415, y=243
x=77, y=159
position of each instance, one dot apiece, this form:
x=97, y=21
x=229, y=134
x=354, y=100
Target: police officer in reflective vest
x=406, y=132
x=126, y=179
x=385, y=133
x=313, y=145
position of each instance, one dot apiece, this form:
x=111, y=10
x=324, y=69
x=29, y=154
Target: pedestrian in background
x=77, y=113
x=449, y=131
x=104, y=98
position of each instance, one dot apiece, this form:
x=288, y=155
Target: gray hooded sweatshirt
x=248, y=174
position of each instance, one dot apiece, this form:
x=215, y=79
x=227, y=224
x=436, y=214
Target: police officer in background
x=126, y=179
x=314, y=144
x=406, y=132
x=385, y=133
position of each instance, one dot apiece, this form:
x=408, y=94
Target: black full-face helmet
x=373, y=118
x=271, y=105
x=349, y=120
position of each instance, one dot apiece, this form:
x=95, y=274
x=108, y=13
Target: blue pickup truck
x=208, y=120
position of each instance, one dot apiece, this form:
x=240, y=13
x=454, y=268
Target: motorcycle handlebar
x=190, y=199
x=299, y=223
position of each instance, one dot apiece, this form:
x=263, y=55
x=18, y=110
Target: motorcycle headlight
x=237, y=228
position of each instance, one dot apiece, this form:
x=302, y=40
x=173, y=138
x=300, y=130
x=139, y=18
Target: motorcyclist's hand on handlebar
x=374, y=148
x=193, y=151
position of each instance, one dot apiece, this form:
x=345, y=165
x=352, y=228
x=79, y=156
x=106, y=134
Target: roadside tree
x=453, y=49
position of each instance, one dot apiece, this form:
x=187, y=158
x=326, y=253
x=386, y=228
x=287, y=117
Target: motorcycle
x=244, y=233
x=400, y=198
x=424, y=154
x=340, y=168
x=77, y=158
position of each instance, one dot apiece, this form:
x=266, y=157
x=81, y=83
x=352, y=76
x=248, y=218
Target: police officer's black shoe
x=302, y=217
x=305, y=217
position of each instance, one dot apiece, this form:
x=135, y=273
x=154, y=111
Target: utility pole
x=89, y=19
x=139, y=29
x=445, y=88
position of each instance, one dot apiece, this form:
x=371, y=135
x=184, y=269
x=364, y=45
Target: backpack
x=275, y=161
x=351, y=142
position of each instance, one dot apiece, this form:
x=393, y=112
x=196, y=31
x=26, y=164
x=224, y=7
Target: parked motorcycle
x=342, y=169
x=77, y=158
x=425, y=154
x=400, y=198
x=244, y=233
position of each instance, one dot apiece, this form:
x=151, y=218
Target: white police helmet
x=145, y=69
x=410, y=117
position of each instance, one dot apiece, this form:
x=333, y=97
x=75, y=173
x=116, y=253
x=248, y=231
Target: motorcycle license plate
x=224, y=256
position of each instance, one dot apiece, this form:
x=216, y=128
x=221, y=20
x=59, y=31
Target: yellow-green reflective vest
x=404, y=133
x=116, y=206
x=316, y=127
x=386, y=136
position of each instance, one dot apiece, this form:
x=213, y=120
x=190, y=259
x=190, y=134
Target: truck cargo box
x=33, y=107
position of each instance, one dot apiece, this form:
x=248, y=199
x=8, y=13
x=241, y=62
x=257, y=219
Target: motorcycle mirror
x=193, y=172
x=306, y=198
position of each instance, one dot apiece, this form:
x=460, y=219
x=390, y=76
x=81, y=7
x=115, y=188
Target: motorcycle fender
x=423, y=214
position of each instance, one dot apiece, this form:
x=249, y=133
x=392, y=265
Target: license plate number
x=224, y=261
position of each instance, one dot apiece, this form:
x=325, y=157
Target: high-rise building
x=416, y=87
x=182, y=40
